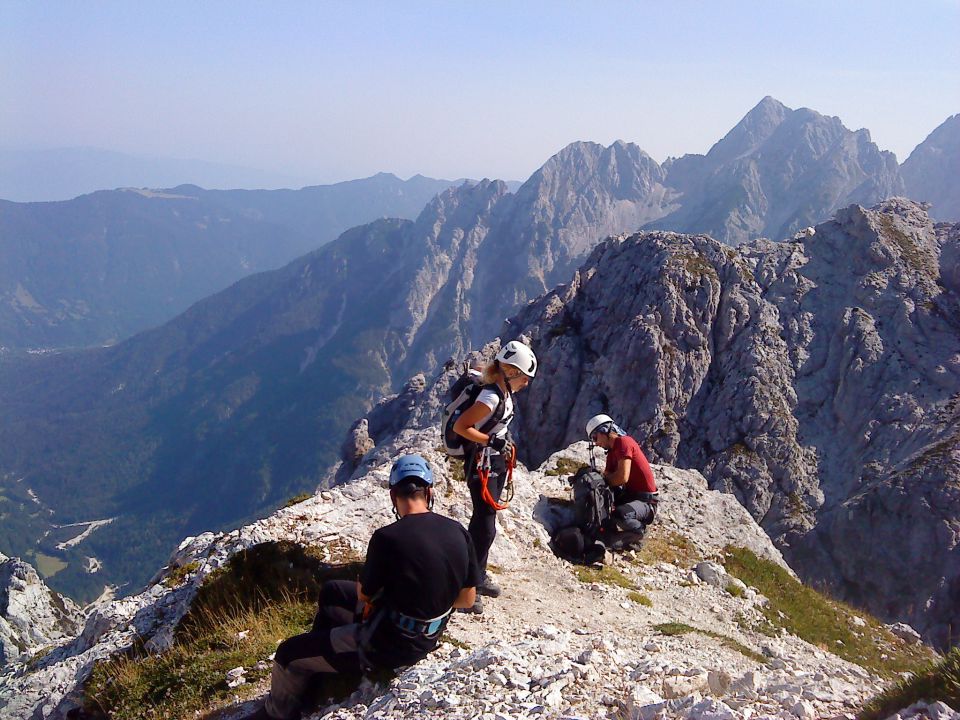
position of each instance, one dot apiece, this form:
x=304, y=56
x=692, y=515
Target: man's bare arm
x=620, y=476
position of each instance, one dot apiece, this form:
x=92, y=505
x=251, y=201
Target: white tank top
x=490, y=398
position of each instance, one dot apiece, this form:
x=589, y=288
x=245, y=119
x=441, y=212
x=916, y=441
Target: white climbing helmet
x=520, y=356
x=601, y=422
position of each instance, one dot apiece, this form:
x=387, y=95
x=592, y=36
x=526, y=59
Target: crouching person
x=417, y=570
x=629, y=476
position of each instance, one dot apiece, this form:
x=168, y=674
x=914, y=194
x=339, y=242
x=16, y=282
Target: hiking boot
x=625, y=540
x=475, y=609
x=488, y=587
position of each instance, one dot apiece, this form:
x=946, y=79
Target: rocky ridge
x=32, y=616
x=818, y=380
x=588, y=650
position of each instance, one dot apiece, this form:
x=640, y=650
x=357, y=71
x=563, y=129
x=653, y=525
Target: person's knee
x=286, y=652
x=306, y=645
x=633, y=516
x=338, y=593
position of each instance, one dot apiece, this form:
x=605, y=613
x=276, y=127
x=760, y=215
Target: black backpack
x=593, y=505
x=593, y=501
x=463, y=395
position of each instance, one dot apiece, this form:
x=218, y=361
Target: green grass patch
x=296, y=499
x=605, y=575
x=937, y=681
x=47, y=565
x=639, y=598
x=566, y=466
x=674, y=628
x=179, y=574
x=734, y=590
x=822, y=621
x=663, y=545
x=269, y=591
x=678, y=628
x=191, y=677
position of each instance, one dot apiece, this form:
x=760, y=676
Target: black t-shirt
x=421, y=562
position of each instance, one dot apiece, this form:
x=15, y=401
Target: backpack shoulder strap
x=498, y=411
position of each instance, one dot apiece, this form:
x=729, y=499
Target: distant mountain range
x=242, y=400
x=104, y=266
x=64, y=173
x=101, y=267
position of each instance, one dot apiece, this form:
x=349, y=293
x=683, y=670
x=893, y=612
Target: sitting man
x=628, y=474
x=417, y=570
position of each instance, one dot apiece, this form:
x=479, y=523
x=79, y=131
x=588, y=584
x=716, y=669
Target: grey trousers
x=634, y=516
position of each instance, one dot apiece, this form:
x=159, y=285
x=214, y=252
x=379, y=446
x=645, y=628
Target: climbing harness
x=417, y=627
x=484, y=466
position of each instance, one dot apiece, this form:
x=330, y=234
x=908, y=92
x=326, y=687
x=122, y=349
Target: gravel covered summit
x=558, y=642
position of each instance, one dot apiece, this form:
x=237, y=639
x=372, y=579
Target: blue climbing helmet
x=412, y=468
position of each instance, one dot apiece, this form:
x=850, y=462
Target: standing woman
x=515, y=365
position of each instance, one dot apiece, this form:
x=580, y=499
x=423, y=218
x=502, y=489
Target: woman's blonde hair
x=492, y=373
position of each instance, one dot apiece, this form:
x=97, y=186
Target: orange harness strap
x=483, y=473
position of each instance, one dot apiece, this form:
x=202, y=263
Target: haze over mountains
x=242, y=401
x=65, y=173
x=104, y=266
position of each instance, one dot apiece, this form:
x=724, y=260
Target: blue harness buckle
x=418, y=626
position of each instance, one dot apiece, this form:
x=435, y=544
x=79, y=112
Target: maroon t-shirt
x=641, y=476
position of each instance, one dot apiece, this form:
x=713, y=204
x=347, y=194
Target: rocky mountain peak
x=751, y=183
x=748, y=134
x=583, y=168
x=463, y=203
x=931, y=170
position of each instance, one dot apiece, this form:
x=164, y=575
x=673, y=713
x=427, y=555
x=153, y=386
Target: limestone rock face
x=818, y=380
x=31, y=614
x=930, y=173
x=769, y=164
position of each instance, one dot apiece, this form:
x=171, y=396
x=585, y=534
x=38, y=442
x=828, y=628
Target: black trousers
x=483, y=521
x=331, y=646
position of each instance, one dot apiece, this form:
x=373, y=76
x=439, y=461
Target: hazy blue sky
x=330, y=91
